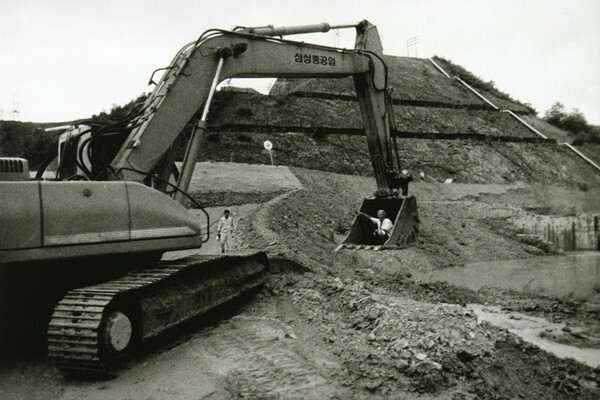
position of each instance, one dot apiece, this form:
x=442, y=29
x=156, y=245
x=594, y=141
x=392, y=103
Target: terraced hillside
x=443, y=128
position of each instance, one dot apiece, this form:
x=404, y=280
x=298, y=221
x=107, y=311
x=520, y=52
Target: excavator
x=93, y=236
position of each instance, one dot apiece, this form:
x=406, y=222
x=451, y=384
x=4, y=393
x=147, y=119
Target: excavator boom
x=186, y=86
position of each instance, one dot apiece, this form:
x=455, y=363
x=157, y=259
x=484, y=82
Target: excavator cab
x=402, y=211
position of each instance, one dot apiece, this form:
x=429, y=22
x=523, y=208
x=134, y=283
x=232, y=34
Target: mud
x=353, y=324
x=539, y=332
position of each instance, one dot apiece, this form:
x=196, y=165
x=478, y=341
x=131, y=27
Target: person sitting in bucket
x=384, y=226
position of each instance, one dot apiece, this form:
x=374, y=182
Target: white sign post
x=269, y=146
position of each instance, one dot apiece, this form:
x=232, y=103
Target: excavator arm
x=191, y=80
x=219, y=55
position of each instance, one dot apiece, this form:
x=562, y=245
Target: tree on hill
x=30, y=140
x=477, y=82
x=120, y=113
x=27, y=140
x=573, y=122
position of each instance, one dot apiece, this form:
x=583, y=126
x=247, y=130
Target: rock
x=290, y=335
x=460, y=395
x=592, y=307
x=420, y=356
x=402, y=365
x=369, y=271
x=406, y=354
x=312, y=294
x=466, y=355
x=425, y=367
x=372, y=359
x=373, y=314
x=378, y=331
x=373, y=384
x=377, y=298
x=577, y=334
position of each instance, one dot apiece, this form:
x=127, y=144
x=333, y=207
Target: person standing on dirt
x=384, y=226
x=224, y=229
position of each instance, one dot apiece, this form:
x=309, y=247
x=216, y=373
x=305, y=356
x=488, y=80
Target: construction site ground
x=358, y=324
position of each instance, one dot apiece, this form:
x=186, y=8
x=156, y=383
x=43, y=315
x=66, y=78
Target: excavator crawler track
x=94, y=327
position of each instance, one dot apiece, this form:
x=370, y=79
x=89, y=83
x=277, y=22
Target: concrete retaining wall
x=570, y=233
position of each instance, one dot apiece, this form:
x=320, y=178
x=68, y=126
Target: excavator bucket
x=401, y=210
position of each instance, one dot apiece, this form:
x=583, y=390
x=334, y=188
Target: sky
x=69, y=59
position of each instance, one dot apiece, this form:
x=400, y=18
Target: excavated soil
x=355, y=324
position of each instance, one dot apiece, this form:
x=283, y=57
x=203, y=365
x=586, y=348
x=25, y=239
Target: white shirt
x=226, y=224
x=385, y=225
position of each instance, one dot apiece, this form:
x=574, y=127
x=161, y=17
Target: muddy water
x=577, y=274
x=530, y=328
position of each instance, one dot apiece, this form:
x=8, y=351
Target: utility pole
x=412, y=42
x=16, y=113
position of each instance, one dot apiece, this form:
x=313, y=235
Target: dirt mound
x=453, y=232
x=393, y=334
x=390, y=345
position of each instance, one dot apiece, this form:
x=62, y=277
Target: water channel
x=575, y=274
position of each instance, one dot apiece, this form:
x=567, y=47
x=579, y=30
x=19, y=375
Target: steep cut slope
x=466, y=161
x=445, y=129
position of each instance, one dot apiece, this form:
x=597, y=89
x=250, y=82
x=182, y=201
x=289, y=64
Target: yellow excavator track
x=94, y=327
